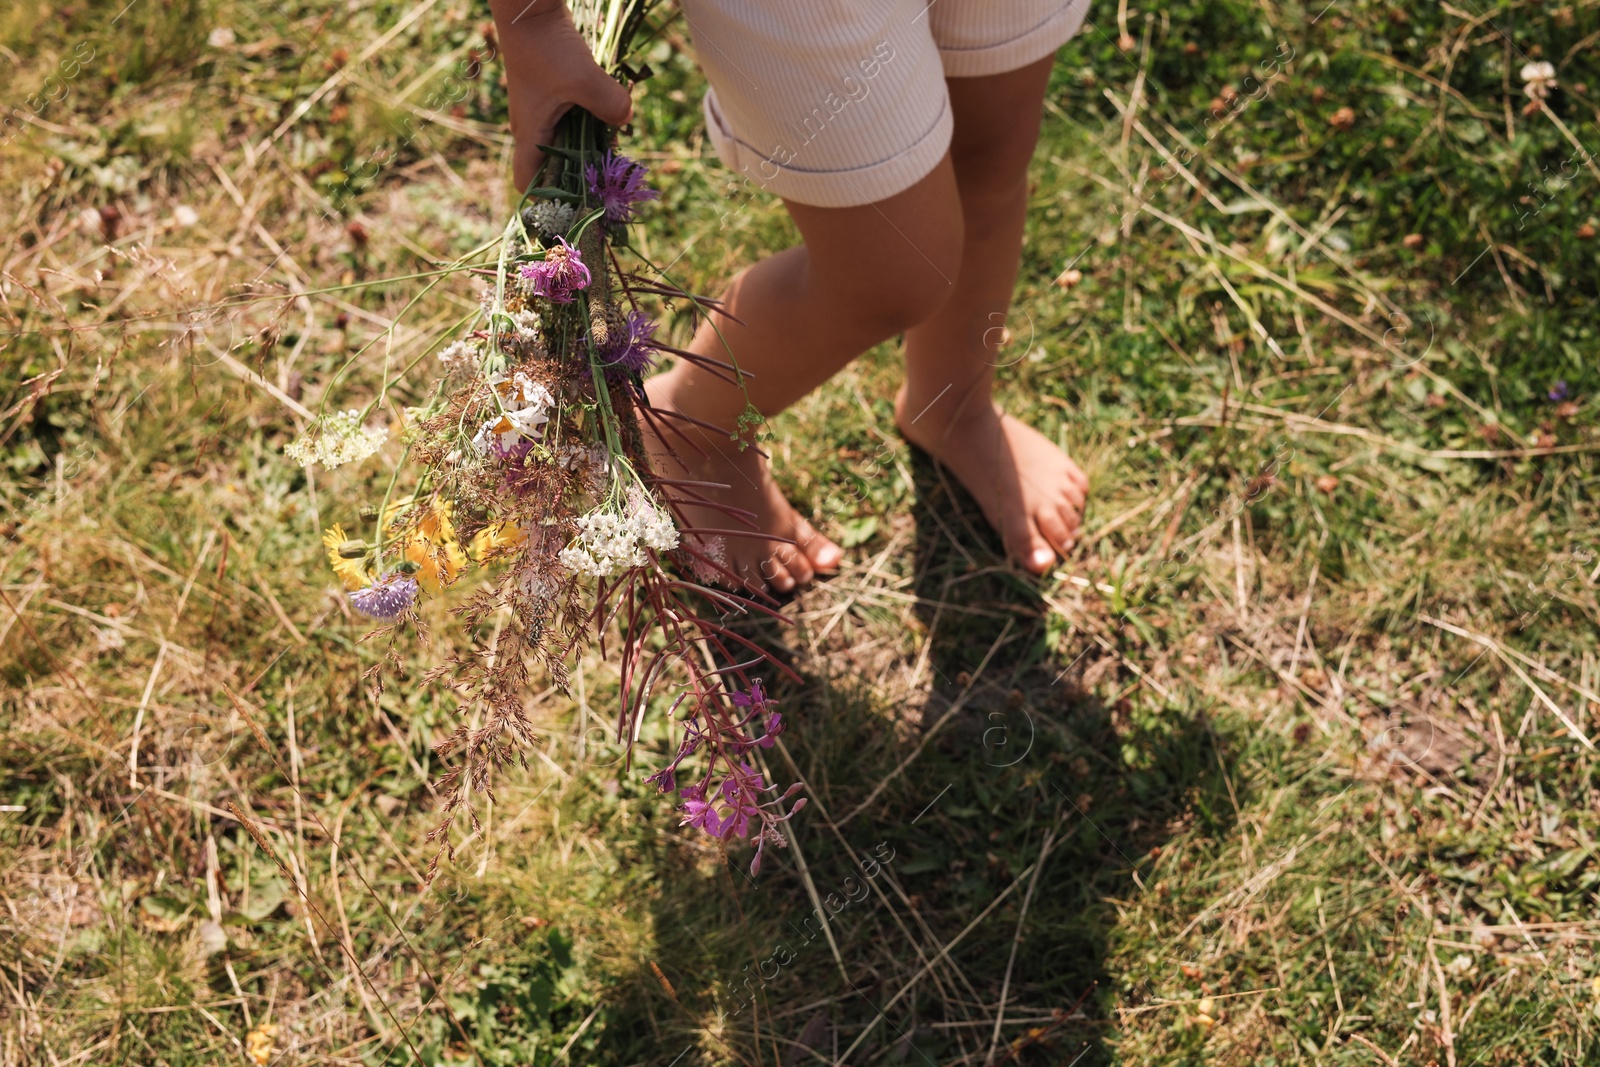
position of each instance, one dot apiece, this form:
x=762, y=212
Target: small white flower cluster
x=526, y=322
x=610, y=542
x=524, y=409
x=553, y=218
x=1538, y=79
x=523, y=335
x=463, y=354
x=337, y=439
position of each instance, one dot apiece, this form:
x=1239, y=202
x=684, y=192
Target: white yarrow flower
x=526, y=322
x=461, y=353
x=609, y=542
x=655, y=530
x=337, y=439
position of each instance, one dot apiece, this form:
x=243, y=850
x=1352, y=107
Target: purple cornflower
x=558, y=275
x=1558, y=392
x=619, y=183
x=631, y=350
x=387, y=597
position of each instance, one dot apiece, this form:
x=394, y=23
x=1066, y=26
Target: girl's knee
x=909, y=291
x=892, y=264
x=901, y=275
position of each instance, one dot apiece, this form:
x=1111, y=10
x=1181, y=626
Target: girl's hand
x=549, y=69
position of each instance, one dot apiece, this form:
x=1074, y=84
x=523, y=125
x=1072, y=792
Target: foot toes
x=1057, y=530
x=1033, y=551
x=761, y=577
x=1076, y=496
x=821, y=553
x=775, y=576
x=1041, y=560
x=795, y=562
x=1073, y=518
x=1079, y=479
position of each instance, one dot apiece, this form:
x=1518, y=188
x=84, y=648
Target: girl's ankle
x=941, y=404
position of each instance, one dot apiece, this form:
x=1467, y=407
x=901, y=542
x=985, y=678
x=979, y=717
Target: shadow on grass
x=925, y=827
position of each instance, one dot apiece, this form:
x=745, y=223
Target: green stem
x=441, y=275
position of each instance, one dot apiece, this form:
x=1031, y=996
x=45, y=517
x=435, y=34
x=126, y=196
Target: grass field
x=1290, y=763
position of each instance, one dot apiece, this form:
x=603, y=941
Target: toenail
x=1042, y=557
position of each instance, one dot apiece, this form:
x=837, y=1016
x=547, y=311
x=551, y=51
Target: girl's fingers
x=604, y=98
x=601, y=97
x=526, y=157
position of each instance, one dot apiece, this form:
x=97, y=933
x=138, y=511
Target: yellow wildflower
x=352, y=572
x=258, y=1044
x=489, y=541
x=431, y=544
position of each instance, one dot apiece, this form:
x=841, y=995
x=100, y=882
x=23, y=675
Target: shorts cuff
x=830, y=188
x=1020, y=51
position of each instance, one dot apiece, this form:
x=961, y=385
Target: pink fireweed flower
x=619, y=184
x=558, y=275
x=741, y=790
x=666, y=779
x=387, y=597
x=774, y=727
x=755, y=698
x=768, y=832
x=631, y=350
x=700, y=812
x=771, y=835
x=760, y=706
x=735, y=809
x=736, y=796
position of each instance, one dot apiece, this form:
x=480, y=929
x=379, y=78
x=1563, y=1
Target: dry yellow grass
x=1290, y=764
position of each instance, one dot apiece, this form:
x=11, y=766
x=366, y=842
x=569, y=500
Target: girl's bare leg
x=862, y=276
x=1030, y=491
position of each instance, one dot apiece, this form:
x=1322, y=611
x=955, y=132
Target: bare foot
x=1028, y=488
x=761, y=563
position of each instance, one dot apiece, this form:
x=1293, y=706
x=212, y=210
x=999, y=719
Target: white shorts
x=838, y=103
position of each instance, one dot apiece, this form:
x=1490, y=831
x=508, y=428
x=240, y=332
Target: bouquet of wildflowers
x=531, y=463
